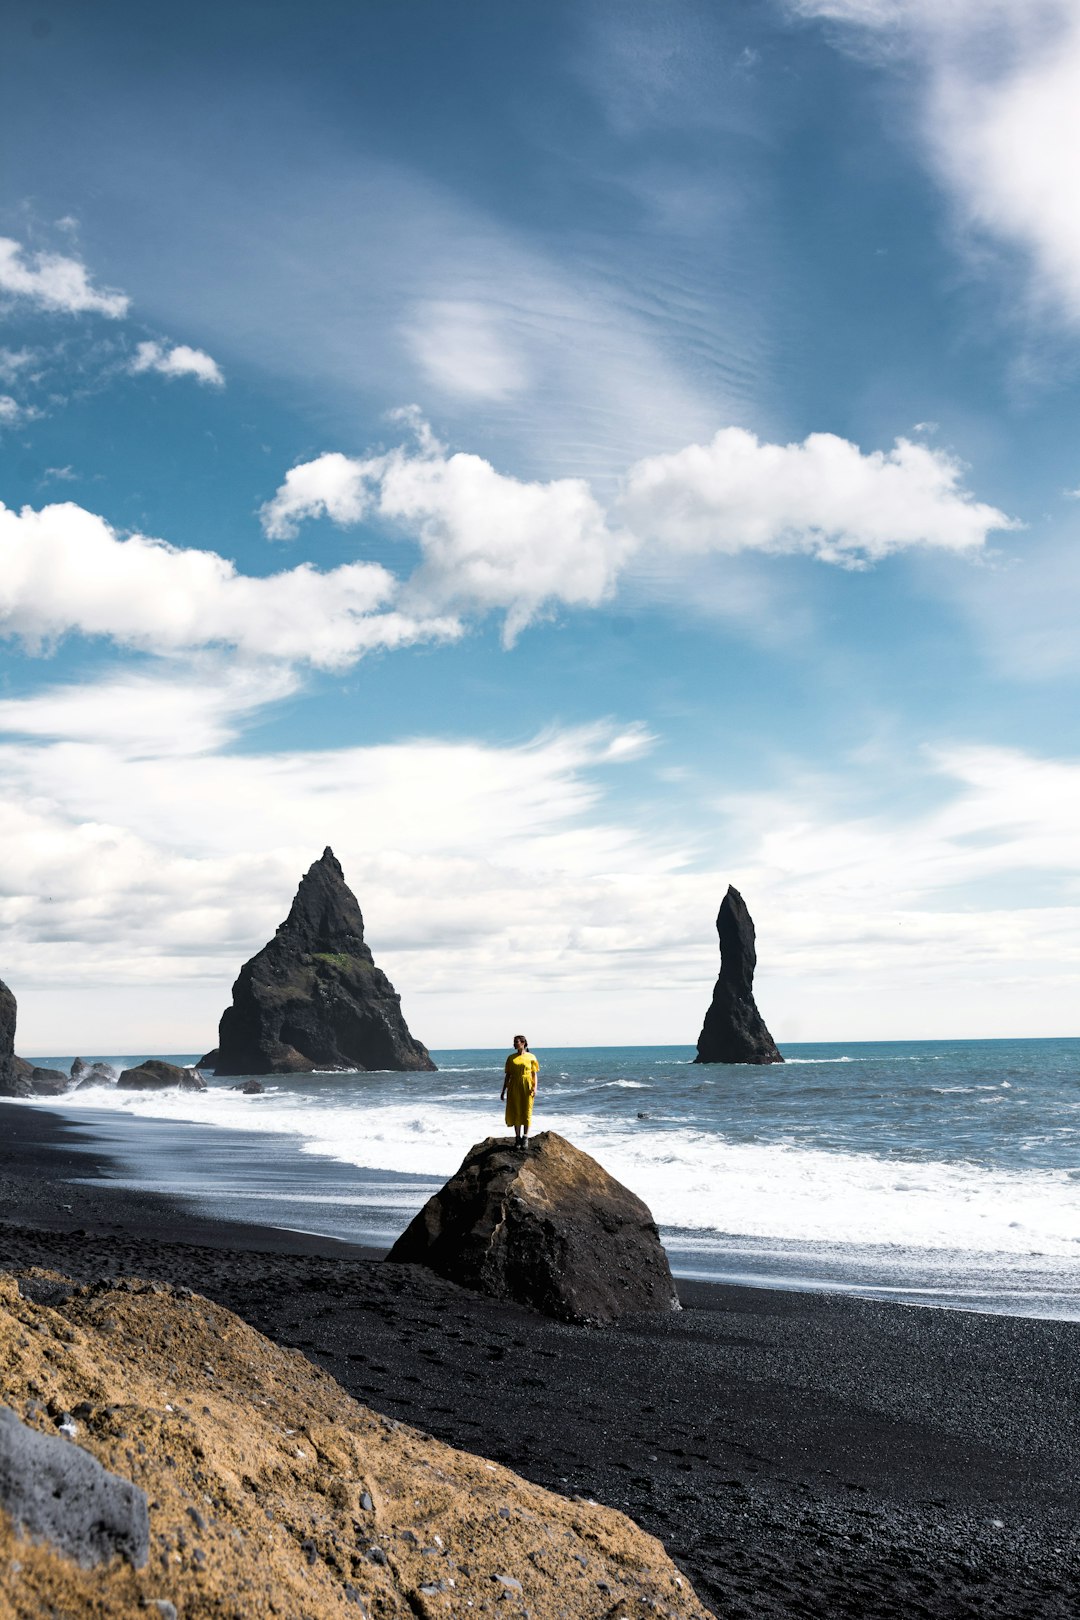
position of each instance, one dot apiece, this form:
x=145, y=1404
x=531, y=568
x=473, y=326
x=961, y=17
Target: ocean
x=932, y=1172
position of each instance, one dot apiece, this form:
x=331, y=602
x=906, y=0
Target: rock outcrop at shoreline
x=17, y=1077
x=157, y=1075
x=91, y=1074
x=8, y=1012
x=548, y=1228
x=734, y=1031
x=313, y=998
x=268, y=1490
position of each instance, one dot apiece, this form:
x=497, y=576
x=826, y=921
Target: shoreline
x=242, y=1175
x=797, y=1453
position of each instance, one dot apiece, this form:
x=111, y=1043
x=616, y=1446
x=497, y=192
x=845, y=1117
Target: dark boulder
x=155, y=1075
x=49, y=1082
x=548, y=1228
x=91, y=1074
x=313, y=998
x=734, y=1031
x=55, y=1491
x=251, y=1088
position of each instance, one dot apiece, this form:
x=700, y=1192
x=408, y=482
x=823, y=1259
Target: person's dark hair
x=521, y=1038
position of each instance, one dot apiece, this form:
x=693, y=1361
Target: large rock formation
x=313, y=998
x=734, y=1031
x=17, y=1077
x=268, y=1490
x=9, y=1075
x=548, y=1228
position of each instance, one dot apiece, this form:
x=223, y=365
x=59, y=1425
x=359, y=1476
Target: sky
x=568, y=458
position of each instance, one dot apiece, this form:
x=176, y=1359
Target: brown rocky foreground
x=271, y=1491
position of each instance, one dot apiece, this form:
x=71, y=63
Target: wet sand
x=798, y=1454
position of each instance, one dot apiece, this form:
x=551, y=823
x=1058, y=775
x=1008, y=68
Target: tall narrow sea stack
x=734, y=1030
x=313, y=998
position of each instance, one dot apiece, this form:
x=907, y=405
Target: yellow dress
x=521, y=1072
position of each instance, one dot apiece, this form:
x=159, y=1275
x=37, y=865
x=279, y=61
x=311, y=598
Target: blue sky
x=568, y=458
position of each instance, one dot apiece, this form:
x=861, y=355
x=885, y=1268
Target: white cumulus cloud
x=487, y=540
x=55, y=281
x=179, y=360
x=824, y=496
x=64, y=569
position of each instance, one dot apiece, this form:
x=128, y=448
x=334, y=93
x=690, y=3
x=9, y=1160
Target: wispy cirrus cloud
x=999, y=116
x=15, y=362
x=465, y=350
x=12, y=412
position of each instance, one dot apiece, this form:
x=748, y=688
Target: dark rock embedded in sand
x=548, y=1228
x=55, y=1491
x=734, y=1031
x=156, y=1075
x=313, y=997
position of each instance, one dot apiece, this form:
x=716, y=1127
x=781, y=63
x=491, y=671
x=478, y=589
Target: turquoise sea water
x=936, y=1172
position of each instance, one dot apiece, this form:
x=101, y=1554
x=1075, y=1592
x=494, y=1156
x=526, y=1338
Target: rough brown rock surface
x=548, y=1228
x=313, y=998
x=734, y=1030
x=271, y=1492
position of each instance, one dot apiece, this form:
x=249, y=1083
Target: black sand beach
x=797, y=1454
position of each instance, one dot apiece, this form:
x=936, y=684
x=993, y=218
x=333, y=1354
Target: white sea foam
x=695, y=1181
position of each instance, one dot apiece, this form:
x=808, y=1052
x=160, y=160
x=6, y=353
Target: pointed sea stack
x=734, y=1030
x=313, y=998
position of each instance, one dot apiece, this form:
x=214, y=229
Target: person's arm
x=535, y=1073
x=506, y=1079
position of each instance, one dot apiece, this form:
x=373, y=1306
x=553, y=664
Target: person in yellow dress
x=519, y=1089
